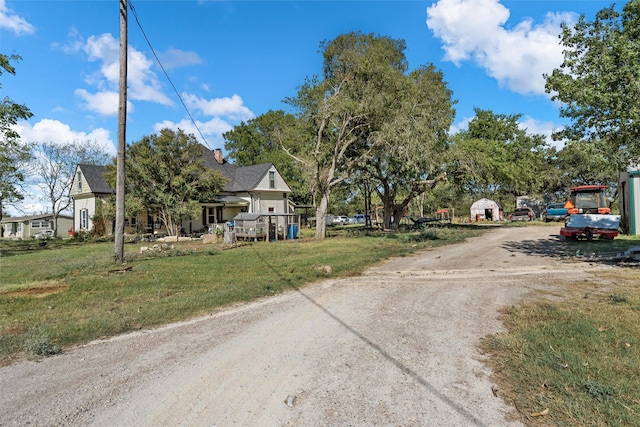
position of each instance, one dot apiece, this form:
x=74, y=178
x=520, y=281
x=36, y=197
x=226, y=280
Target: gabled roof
x=94, y=175
x=240, y=178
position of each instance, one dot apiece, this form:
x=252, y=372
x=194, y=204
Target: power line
x=133, y=10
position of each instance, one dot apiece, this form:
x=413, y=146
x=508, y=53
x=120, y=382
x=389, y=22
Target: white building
x=251, y=189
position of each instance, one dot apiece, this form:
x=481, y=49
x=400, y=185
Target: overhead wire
x=135, y=14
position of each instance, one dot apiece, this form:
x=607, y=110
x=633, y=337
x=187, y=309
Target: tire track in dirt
x=395, y=346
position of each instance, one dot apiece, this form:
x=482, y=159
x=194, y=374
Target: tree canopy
x=408, y=140
x=598, y=81
x=167, y=175
x=54, y=166
x=587, y=163
x=260, y=140
x=495, y=158
x=370, y=121
x=13, y=153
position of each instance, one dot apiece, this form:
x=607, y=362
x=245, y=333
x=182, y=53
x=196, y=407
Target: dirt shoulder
x=395, y=346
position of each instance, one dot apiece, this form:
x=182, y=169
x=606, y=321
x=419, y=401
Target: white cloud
x=48, y=130
x=212, y=130
x=10, y=21
x=460, y=126
x=174, y=58
x=232, y=108
x=103, y=103
x=54, y=131
x=516, y=57
x=224, y=113
x=533, y=126
x=142, y=82
x=74, y=44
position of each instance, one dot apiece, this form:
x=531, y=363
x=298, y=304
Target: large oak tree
x=598, y=82
x=167, y=175
x=369, y=119
x=408, y=141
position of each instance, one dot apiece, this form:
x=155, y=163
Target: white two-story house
x=251, y=189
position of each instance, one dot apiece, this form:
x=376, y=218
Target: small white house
x=486, y=210
x=87, y=190
x=26, y=227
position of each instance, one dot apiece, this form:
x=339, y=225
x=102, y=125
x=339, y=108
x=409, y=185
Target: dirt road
x=396, y=346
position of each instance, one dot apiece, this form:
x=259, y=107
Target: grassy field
x=574, y=359
x=68, y=293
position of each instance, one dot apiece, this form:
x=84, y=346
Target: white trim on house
x=249, y=189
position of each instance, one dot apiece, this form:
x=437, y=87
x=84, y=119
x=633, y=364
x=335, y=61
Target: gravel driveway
x=395, y=346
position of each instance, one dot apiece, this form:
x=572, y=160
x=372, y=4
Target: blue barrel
x=292, y=231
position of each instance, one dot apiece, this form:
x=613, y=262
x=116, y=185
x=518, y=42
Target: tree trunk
x=54, y=218
x=321, y=215
x=398, y=213
x=387, y=207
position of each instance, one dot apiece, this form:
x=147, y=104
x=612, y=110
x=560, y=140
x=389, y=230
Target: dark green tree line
x=598, y=82
x=14, y=154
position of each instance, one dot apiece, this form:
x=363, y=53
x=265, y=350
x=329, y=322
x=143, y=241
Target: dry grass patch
x=576, y=360
x=35, y=290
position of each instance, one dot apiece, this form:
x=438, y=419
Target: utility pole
x=122, y=136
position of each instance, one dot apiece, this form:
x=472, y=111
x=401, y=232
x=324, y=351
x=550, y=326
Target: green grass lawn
x=68, y=293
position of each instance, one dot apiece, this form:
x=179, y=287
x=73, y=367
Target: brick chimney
x=217, y=154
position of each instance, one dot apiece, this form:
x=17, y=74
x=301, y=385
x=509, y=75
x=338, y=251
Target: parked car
x=358, y=219
x=555, y=212
x=44, y=234
x=522, y=214
x=341, y=220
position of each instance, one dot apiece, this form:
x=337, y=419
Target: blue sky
x=234, y=60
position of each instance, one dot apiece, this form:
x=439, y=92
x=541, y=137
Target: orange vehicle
x=589, y=214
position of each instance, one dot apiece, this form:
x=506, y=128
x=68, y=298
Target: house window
x=84, y=219
x=272, y=179
x=272, y=209
x=39, y=224
x=79, y=176
x=211, y=218
x=19, y=227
